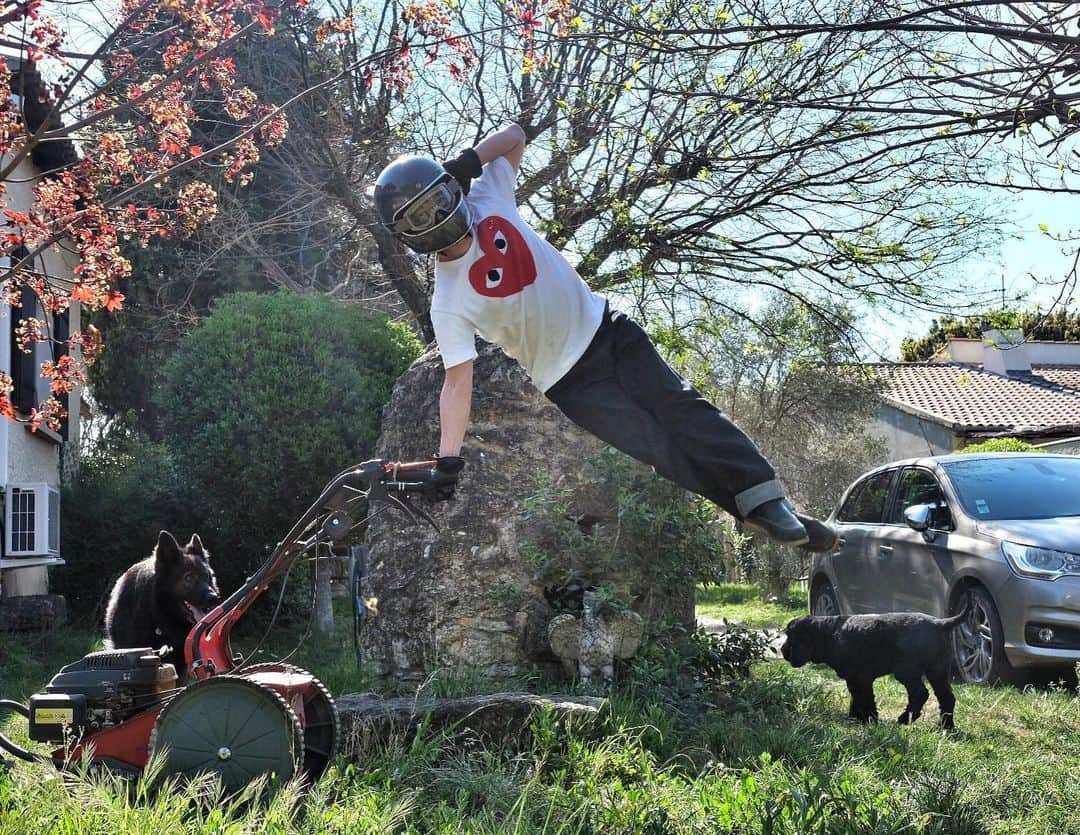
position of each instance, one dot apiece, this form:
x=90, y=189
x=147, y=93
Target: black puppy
x=862, y=648
x=160, y=598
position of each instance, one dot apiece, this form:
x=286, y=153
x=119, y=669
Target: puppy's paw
x=946, y=722
x=907, y=717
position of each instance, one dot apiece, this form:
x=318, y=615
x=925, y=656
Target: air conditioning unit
x=32, y=520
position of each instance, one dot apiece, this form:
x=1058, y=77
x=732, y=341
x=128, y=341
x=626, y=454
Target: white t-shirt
x=513, y=288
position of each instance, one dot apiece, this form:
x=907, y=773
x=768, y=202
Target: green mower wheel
x=229, y=726
x=321, y=724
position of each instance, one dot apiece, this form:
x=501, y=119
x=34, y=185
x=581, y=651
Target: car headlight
x=1040, y=563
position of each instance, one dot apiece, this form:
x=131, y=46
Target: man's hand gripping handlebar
x=396, y=483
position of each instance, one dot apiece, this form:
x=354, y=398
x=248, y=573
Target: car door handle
x=884, y=550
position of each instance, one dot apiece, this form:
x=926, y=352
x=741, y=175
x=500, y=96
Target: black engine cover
x=98, y=690
x=110, y=674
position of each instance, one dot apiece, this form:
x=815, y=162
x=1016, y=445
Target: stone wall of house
x=467, y=596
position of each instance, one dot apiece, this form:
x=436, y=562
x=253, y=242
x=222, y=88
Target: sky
x=1029, y=262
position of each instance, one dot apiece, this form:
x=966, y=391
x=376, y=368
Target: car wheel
x=979, y=644
x=823, y=600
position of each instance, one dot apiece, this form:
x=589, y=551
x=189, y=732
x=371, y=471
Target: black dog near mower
x=237, y=720
x=862, y=648
x=160, y=598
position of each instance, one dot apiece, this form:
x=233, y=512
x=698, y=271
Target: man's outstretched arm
x=507, y=142
x=455, y=402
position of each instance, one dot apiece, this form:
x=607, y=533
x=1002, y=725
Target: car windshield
x=1021, y=487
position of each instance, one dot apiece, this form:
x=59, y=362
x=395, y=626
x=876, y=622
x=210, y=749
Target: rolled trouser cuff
x=757, y=495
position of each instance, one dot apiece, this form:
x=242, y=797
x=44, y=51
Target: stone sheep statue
x=589, y=646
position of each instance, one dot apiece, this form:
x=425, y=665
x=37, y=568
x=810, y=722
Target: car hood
x=1060, y=534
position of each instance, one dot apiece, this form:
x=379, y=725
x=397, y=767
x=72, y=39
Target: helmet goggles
x=429, y=209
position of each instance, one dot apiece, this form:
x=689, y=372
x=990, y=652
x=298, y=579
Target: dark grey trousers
x=623, y=392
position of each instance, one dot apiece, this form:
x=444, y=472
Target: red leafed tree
x=131, y=106
x=133, y=128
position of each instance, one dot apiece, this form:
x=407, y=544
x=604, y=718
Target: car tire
x=979, y=644
x=823, y=599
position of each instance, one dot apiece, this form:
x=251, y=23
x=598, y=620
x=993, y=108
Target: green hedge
x=1001, y=445
x=265, y=401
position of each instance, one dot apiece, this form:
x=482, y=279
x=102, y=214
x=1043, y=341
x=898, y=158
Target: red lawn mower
x=118, y=707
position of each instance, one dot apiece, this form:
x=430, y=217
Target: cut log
x=499, y=720
x=32, y=612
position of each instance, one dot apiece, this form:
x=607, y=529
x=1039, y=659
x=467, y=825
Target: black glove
x=464, y=168
x=444, y=478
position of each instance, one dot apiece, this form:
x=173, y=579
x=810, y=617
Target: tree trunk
x=499, y=720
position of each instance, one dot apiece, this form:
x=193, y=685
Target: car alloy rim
x=824, y=605
x=975, y=645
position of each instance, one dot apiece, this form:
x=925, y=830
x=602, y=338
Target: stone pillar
x=469, y=596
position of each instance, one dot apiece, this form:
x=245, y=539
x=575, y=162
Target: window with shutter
x=61, y=327
x=24, y=371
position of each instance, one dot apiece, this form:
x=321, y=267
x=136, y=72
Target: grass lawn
x=776, y=756
x=746, y=604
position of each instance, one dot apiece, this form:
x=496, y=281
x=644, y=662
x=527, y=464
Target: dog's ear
x=196, y=544
x=167, y=549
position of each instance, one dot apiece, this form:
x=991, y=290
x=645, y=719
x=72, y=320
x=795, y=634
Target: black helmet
x=422, y=204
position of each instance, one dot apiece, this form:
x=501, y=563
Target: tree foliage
x=675, y=169
x=792, y=382
x=134, y=129
x=156, y=101
x=673, y=160
x=683, y=154
x=989, y=87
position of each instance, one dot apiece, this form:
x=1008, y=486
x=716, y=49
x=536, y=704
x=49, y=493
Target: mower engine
x=98, y=691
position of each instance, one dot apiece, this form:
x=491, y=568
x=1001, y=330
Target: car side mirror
x=918, y=517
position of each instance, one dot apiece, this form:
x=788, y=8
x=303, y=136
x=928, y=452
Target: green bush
x=1001, y=445
x=126, y=492
x=264, y=402
x=653, y=531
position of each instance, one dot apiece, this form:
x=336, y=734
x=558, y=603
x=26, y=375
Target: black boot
x=778, y=521
x=823, y=537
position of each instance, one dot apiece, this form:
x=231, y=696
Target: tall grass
x=778, y=758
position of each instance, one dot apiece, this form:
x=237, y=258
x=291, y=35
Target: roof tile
x=967, y=398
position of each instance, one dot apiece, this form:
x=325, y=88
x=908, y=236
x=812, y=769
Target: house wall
x=1065, y=446
x=908, y=436
x=1034, y=352
x=27, y=456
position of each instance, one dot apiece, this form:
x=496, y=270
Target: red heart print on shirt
x=507, y=266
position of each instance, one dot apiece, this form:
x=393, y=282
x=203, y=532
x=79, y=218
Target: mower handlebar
x=408, y=477
x=376, y=476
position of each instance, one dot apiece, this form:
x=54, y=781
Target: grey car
x=919, y=535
